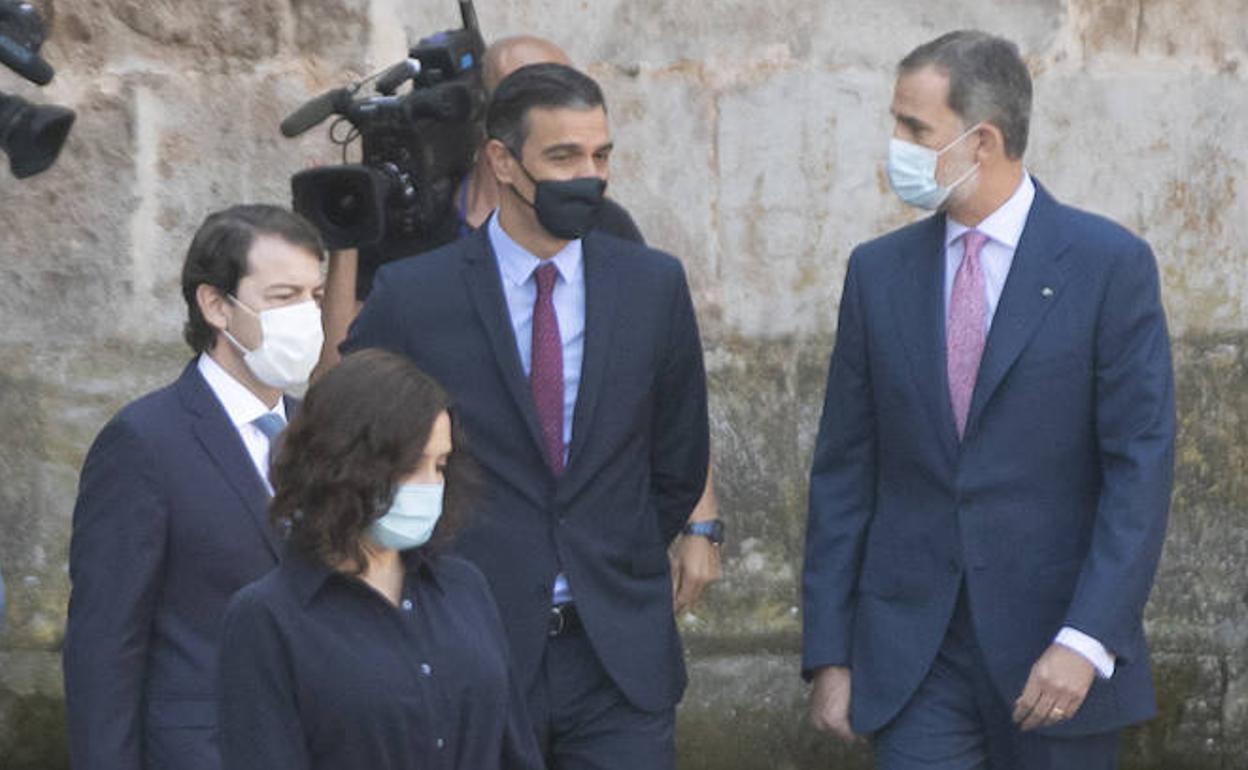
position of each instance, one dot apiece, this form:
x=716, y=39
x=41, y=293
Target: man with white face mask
x=992, y=475
x=171, y=513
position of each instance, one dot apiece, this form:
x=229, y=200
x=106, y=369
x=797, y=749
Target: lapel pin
x=1046, y=292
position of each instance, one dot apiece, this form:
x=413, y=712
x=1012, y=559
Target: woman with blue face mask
x=369, y=646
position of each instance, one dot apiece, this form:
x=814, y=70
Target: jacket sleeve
x=842, y=491
x=116, y=562
x=1135, y=426
x=258, y=713
x=681, y=442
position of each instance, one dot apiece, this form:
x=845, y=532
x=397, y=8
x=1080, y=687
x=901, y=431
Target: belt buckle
x=557, y=621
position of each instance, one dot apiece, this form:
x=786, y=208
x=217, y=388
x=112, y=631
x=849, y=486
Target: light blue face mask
x=412, y=516
x=912, y=172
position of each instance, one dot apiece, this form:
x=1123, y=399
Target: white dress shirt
x=1004, y=228
x=242, y=407
x=517, y=266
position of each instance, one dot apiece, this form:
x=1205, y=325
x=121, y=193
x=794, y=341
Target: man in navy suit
x=574, y=360
x=171, y=517
x=992, y=475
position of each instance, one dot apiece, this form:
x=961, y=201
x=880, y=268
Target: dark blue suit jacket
x=171, y=520
x=637, y=461
x=1052, y=509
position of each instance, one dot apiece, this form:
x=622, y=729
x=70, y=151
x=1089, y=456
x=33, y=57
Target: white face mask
x=412, y=516
x=290, y=346
x=912, y=172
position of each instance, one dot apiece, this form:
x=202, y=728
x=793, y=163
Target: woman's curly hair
x=363, y=426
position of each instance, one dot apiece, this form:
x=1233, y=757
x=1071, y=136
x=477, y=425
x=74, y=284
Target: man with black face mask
x=696, y=555
x=574, y=360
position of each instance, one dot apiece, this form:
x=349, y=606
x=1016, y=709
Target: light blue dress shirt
x=516, y=266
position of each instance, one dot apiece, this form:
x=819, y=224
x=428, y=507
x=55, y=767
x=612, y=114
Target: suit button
x=954, y=566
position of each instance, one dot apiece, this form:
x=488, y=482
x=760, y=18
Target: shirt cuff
x=1101, y=658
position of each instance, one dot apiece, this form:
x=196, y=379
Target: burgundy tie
x=966, y=328
x=546, y=371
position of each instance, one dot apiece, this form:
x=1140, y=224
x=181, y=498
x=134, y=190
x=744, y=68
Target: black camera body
x=31, y=135
x=417, y=147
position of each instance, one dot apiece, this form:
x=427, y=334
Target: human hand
x=695, y=565
x=1055, y=689
x=829, y=703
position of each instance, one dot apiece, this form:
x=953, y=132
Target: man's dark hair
x=988, y=81
x=362, y=427
x=537, y=85
x=218, y=256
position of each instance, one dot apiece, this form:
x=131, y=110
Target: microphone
x=315, y=111
x=24, y=62
x=391, y=79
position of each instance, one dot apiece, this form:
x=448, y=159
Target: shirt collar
x=307, y=576
x=1005, y=225
x=241, y=405
x=517, y=264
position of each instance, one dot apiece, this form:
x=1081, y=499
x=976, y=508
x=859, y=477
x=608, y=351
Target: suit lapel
x=599, y=321
x=220, y=439
x=1034, y=282
x=920, y=314
x=486, y=290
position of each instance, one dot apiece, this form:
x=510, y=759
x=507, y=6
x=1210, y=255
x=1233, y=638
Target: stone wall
x=750, y=140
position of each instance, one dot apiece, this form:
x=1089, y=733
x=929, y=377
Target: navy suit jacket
x=171, y=520
x=1053, y=507
x=636, y=465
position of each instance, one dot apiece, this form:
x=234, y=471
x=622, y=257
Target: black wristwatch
x=711, y=530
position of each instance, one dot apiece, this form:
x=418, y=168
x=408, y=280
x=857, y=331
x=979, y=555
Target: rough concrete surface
x=750, y=139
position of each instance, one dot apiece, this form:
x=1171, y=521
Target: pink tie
x=546, y=367
x=966, y=328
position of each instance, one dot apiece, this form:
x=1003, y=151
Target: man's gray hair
x=988, y=81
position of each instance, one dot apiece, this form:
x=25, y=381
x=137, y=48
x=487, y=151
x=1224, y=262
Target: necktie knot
x=270, y=424
x=546, y=274
x=973, y=241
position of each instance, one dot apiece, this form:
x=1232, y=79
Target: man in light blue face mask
x=992, y=475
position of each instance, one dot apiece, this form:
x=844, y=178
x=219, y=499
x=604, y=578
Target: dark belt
x=564, y=620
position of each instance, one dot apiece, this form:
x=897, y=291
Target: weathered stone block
x=33, y=735
x=663, y=169
x=64, y=233
x=1123, y=145
x=250, y=30
x=1204, y=31
x=333, y=30
x=53, y=401
x=760, y=393
x=749, y=713
x=799, y=184
x=739, y=36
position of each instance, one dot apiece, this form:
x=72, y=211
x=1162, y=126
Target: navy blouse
x=318, y=670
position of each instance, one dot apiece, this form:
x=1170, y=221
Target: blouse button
x=441, y=744
x=426, y=669
x=407, y=604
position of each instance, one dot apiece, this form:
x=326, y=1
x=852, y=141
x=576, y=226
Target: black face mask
x=569, y=208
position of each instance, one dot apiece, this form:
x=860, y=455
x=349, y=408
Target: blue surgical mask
x=412, y=516
x=912, y=172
